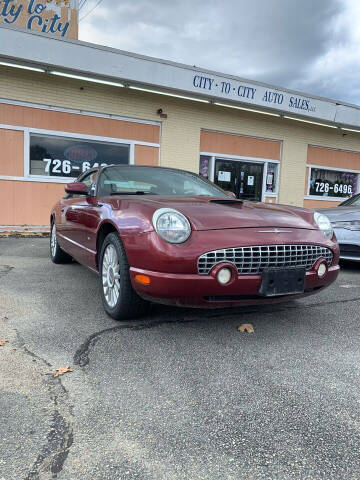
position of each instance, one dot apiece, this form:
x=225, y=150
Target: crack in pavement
x=51, y=459
x=81, y=356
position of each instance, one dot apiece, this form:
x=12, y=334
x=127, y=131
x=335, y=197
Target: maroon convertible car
x=169, y=236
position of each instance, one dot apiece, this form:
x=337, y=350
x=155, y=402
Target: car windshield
x=353, y=201
x=154, y=181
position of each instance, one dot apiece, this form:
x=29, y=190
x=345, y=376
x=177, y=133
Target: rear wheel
x=119, y=298
x=57, y=255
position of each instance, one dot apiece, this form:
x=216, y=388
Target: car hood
x=341, y=214
x=206, y=213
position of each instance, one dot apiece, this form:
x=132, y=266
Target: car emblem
x=275, y=230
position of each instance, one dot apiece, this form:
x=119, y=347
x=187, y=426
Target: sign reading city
x=57, y=17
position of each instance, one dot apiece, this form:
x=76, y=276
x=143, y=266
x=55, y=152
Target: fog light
x=322, y=270
x=224, y=276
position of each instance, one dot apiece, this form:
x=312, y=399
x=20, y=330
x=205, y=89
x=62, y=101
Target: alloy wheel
x=111, y=276
x=53, y=242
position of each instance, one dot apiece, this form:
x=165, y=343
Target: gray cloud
x=299, y=44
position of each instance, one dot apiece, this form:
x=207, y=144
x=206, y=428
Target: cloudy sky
x=308, y=45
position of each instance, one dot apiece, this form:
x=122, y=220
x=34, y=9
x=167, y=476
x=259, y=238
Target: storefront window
x=332, y=183
x=52, y=156
x=204, y=166
x=271, y=177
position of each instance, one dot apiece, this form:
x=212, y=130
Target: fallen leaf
x=246, y=328
x=62, y=371
x=3, y=342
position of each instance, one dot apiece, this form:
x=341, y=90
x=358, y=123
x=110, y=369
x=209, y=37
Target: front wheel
x=57, y=255
x=119, y=298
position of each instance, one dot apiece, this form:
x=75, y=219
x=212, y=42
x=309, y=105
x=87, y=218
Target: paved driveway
x=178, y=395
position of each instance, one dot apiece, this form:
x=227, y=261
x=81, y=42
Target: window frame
x=27, y=131
x=265, y=161
x=319, y=198
x=67, y=135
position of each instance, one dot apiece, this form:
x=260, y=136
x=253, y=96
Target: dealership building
x=67, y=105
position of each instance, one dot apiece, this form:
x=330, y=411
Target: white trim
x=263, y=191
x=325, y=199
x=26, y=153
x=78, y=112
x=12, y=127
x=321, y=167
x=309, y=121
x=37, y=179
x=212, y=170
x=238, y=157
x=86, y=79
x=94, y=138
x=132, y=154
x=271, y=195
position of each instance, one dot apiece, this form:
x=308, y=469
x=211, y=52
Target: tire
x=119, y=298
x=57, y=255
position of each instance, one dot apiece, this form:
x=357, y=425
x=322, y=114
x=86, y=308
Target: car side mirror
x=76, y=188
x=232, y=194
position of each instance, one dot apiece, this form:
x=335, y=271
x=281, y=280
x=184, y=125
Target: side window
x=90, y=181
x=105, y=187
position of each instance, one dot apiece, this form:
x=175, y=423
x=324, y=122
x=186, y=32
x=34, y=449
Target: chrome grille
x=253, y=260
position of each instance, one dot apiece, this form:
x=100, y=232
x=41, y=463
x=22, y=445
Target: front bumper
x=195, y=290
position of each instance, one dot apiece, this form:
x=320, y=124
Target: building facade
x=63, y=110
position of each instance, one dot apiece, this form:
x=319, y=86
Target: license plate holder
x=282, y=281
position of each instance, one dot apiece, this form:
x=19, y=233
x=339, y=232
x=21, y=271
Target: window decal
x=332, y=183
x=54, y=156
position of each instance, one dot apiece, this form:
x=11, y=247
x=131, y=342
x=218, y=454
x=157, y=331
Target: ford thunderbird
x=162, y=235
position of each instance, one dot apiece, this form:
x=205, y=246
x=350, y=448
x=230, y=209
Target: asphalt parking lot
x=178, y=395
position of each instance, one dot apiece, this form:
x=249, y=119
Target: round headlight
x=171, y=225
x=224, y=276
x=322, y=270
x=324, y=224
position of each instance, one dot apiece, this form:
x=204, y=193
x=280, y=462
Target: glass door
x=244, y=179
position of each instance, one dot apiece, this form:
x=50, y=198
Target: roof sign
x=57, y=17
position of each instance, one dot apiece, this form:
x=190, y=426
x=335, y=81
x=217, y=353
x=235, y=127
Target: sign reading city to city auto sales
x=175, y=78
x=58, y=17
x=259, y=95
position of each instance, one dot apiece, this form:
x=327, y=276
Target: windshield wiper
x=138, y=192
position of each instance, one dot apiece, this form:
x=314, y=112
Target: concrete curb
x=24, y=231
